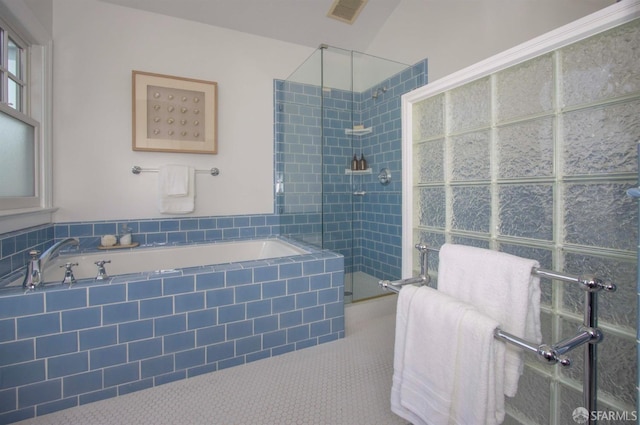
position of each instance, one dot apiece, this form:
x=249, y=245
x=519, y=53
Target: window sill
x=13, y=220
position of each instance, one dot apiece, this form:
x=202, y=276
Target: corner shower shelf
x=355, y=172
x=358, y=131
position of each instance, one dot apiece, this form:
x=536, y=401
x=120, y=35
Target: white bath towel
x=479, y=391
x=402, y=312
x=502, y=287
x=439, y=341
x=176, y=189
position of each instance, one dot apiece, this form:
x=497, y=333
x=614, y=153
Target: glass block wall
x=535, y=160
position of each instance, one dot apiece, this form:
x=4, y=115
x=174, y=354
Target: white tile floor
x=347, y=381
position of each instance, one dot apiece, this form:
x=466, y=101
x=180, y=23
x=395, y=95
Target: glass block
x=431, y=207
x=471, y=208
x=469, y=106
x=603, y=66
x=618, y=308
x=601, y=215
x=617, y=364
x=525, y=149
x=526, y=211
x=525, y=89
x=530, y=402
x=471, y=156
x=433, y=240
x=429, y=161
x=462, y=240
x=428, y=118
x=602, y=140
x=544, y=258
x=570, y=400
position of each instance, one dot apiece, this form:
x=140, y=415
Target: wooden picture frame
x=174, y=114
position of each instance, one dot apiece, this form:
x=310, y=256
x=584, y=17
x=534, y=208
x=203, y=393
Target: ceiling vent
x=346, y=10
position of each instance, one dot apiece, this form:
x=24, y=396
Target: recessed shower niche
x=337, y=104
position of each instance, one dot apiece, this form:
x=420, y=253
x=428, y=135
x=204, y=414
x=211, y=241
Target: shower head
x=377, y=92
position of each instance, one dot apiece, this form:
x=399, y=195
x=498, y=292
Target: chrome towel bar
x=587, y=334
x=136, y=169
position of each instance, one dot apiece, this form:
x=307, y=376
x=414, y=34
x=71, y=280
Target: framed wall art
x=174, y=114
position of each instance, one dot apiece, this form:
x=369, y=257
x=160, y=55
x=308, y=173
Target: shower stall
x=340, y=105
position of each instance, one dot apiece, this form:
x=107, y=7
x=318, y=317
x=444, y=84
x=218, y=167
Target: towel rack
x=588, y=334
x=136, y=169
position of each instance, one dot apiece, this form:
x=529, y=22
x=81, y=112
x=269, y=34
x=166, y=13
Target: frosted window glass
x=602, y=66
x=601, y=215
x=471, y=156
x=429, y=161
x=602, y=140
x=517, y=99
x=526, y=149
x=17, y=158
x=470, y=106
x=428, y=118
x=431, y=207
x=526, y=211
x=471, y=208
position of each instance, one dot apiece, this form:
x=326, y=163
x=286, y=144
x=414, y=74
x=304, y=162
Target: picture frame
x=174, y=114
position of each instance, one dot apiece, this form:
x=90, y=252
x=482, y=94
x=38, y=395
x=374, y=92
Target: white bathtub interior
x=163, y=258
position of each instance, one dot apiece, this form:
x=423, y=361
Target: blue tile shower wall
x=379, y=236
x=61, y=348
x=366, y=230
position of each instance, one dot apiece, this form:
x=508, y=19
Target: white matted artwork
x=174, y=114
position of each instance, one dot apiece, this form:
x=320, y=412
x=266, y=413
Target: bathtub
x=167, y=313
x=161, y=259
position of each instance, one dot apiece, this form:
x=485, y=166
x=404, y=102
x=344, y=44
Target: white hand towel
x=172, y=196
x=502, y=287
x=442, y=347
x=479, y=385
x=174, y=180
x=402, y=311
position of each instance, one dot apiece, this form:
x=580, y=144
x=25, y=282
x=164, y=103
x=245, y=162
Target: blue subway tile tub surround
x=62, y=347
x=15, y=246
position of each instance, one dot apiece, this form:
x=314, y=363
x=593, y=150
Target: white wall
x=454, y=34
x=96, y=46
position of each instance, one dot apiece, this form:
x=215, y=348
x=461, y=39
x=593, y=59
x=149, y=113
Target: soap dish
x=133, y=245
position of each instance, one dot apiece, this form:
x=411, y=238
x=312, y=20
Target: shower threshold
x=360, y=286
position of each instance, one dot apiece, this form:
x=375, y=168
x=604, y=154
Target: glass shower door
x=338, y=104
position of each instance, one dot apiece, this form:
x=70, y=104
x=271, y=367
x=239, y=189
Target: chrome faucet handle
x=68, y=273
x=33, y=276
x=102, y=272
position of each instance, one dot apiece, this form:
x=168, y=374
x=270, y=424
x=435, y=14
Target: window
x=19, y=147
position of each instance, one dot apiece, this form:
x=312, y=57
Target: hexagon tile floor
x=344, y=382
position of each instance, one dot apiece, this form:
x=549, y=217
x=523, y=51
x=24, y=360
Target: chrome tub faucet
x=34, y=276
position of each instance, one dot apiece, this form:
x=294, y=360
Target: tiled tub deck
x=61, y=347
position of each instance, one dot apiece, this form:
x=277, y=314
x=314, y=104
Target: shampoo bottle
x=354, y=163
x=362, y=164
